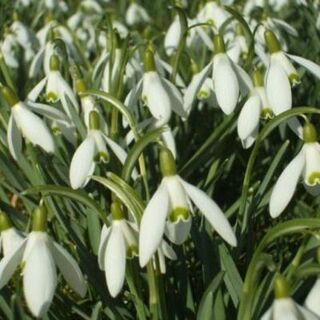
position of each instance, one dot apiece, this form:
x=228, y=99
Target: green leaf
x=205, y=310
x=69, y=193
x=137, y=149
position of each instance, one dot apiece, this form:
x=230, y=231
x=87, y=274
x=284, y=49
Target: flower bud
x=309, y=133
x=39, y=220
x=148, y=60
x=80, y=86
x=167, y=163
x=54, y=63
x=9, y=96
x=94, y=120
x=116, y=211
x=272, y=42
x=281, y=287
x=5, y=223
x=218, y=42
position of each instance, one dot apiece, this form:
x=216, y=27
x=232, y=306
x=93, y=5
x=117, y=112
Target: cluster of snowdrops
x=104, y=97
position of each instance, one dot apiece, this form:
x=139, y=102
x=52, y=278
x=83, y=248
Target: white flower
x=305, y=164
x=136, y=14
x=169, y=212
x=159, y=94
x=164, y=251
x=286, y=308
x=56, y=88
x=256, y=106
x=39, y=255
x=281, y=72
x=228, y=80
x=24, y=121
x=172, y=37
x=312, y=302
x=83, y=161
x=117, y=242
x=10, y=238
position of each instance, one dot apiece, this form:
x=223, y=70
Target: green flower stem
x=182, y=41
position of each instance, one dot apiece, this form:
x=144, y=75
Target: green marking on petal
x=103, y=157
x=52, y=97
x=179, y=213
x=294, y=79
x=266, y=114
x=313, y=179
x=132, y=251
x=203, y=94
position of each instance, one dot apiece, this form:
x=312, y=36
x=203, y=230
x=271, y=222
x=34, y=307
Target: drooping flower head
x=169, y=211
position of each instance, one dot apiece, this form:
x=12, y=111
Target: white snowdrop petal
x=172, y=37
x=14, y=139
x=115, y=260
x=69, y=269
x=249, y=116
x=226, y=84
x=47, y=111
x=194, y=86
x=10, y=262
x=168, y=251
x=11, y=240
x=312, y=168
x=35, y=65
x=105, y=232
x=308, y=64
x=39, y=278
x=278, y=88
x=157, y=98
x=35, y=92
x=32, y=127
x=285, y=309
x=286, y=185
x=153, y=224
x=175, y=96
x=82, y=162
x=212, y=212
x=312, y=302
x=168, y=139
x=178, y=231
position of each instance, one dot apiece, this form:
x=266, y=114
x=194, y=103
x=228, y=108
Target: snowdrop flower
x=10, y=238
x=8, y=50
x=169, y=212
x=88, y=104
x=159, y=94
x=281, y=73
x=228, y=79
x=312, y=302
x=136, y=14
x=56, y=88
x=284, y=306
x=38, y=255
x=24, y=121
x=238, y=45
x=172, y=37
x=93, y=146
x=117, y=243
x=306, y=164
x=255, y=107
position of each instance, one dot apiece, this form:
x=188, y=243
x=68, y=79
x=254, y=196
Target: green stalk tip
x=167, y=163
x=39, y=220
x=272, y=42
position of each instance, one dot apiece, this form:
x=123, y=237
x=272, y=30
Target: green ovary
x=179, y=213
